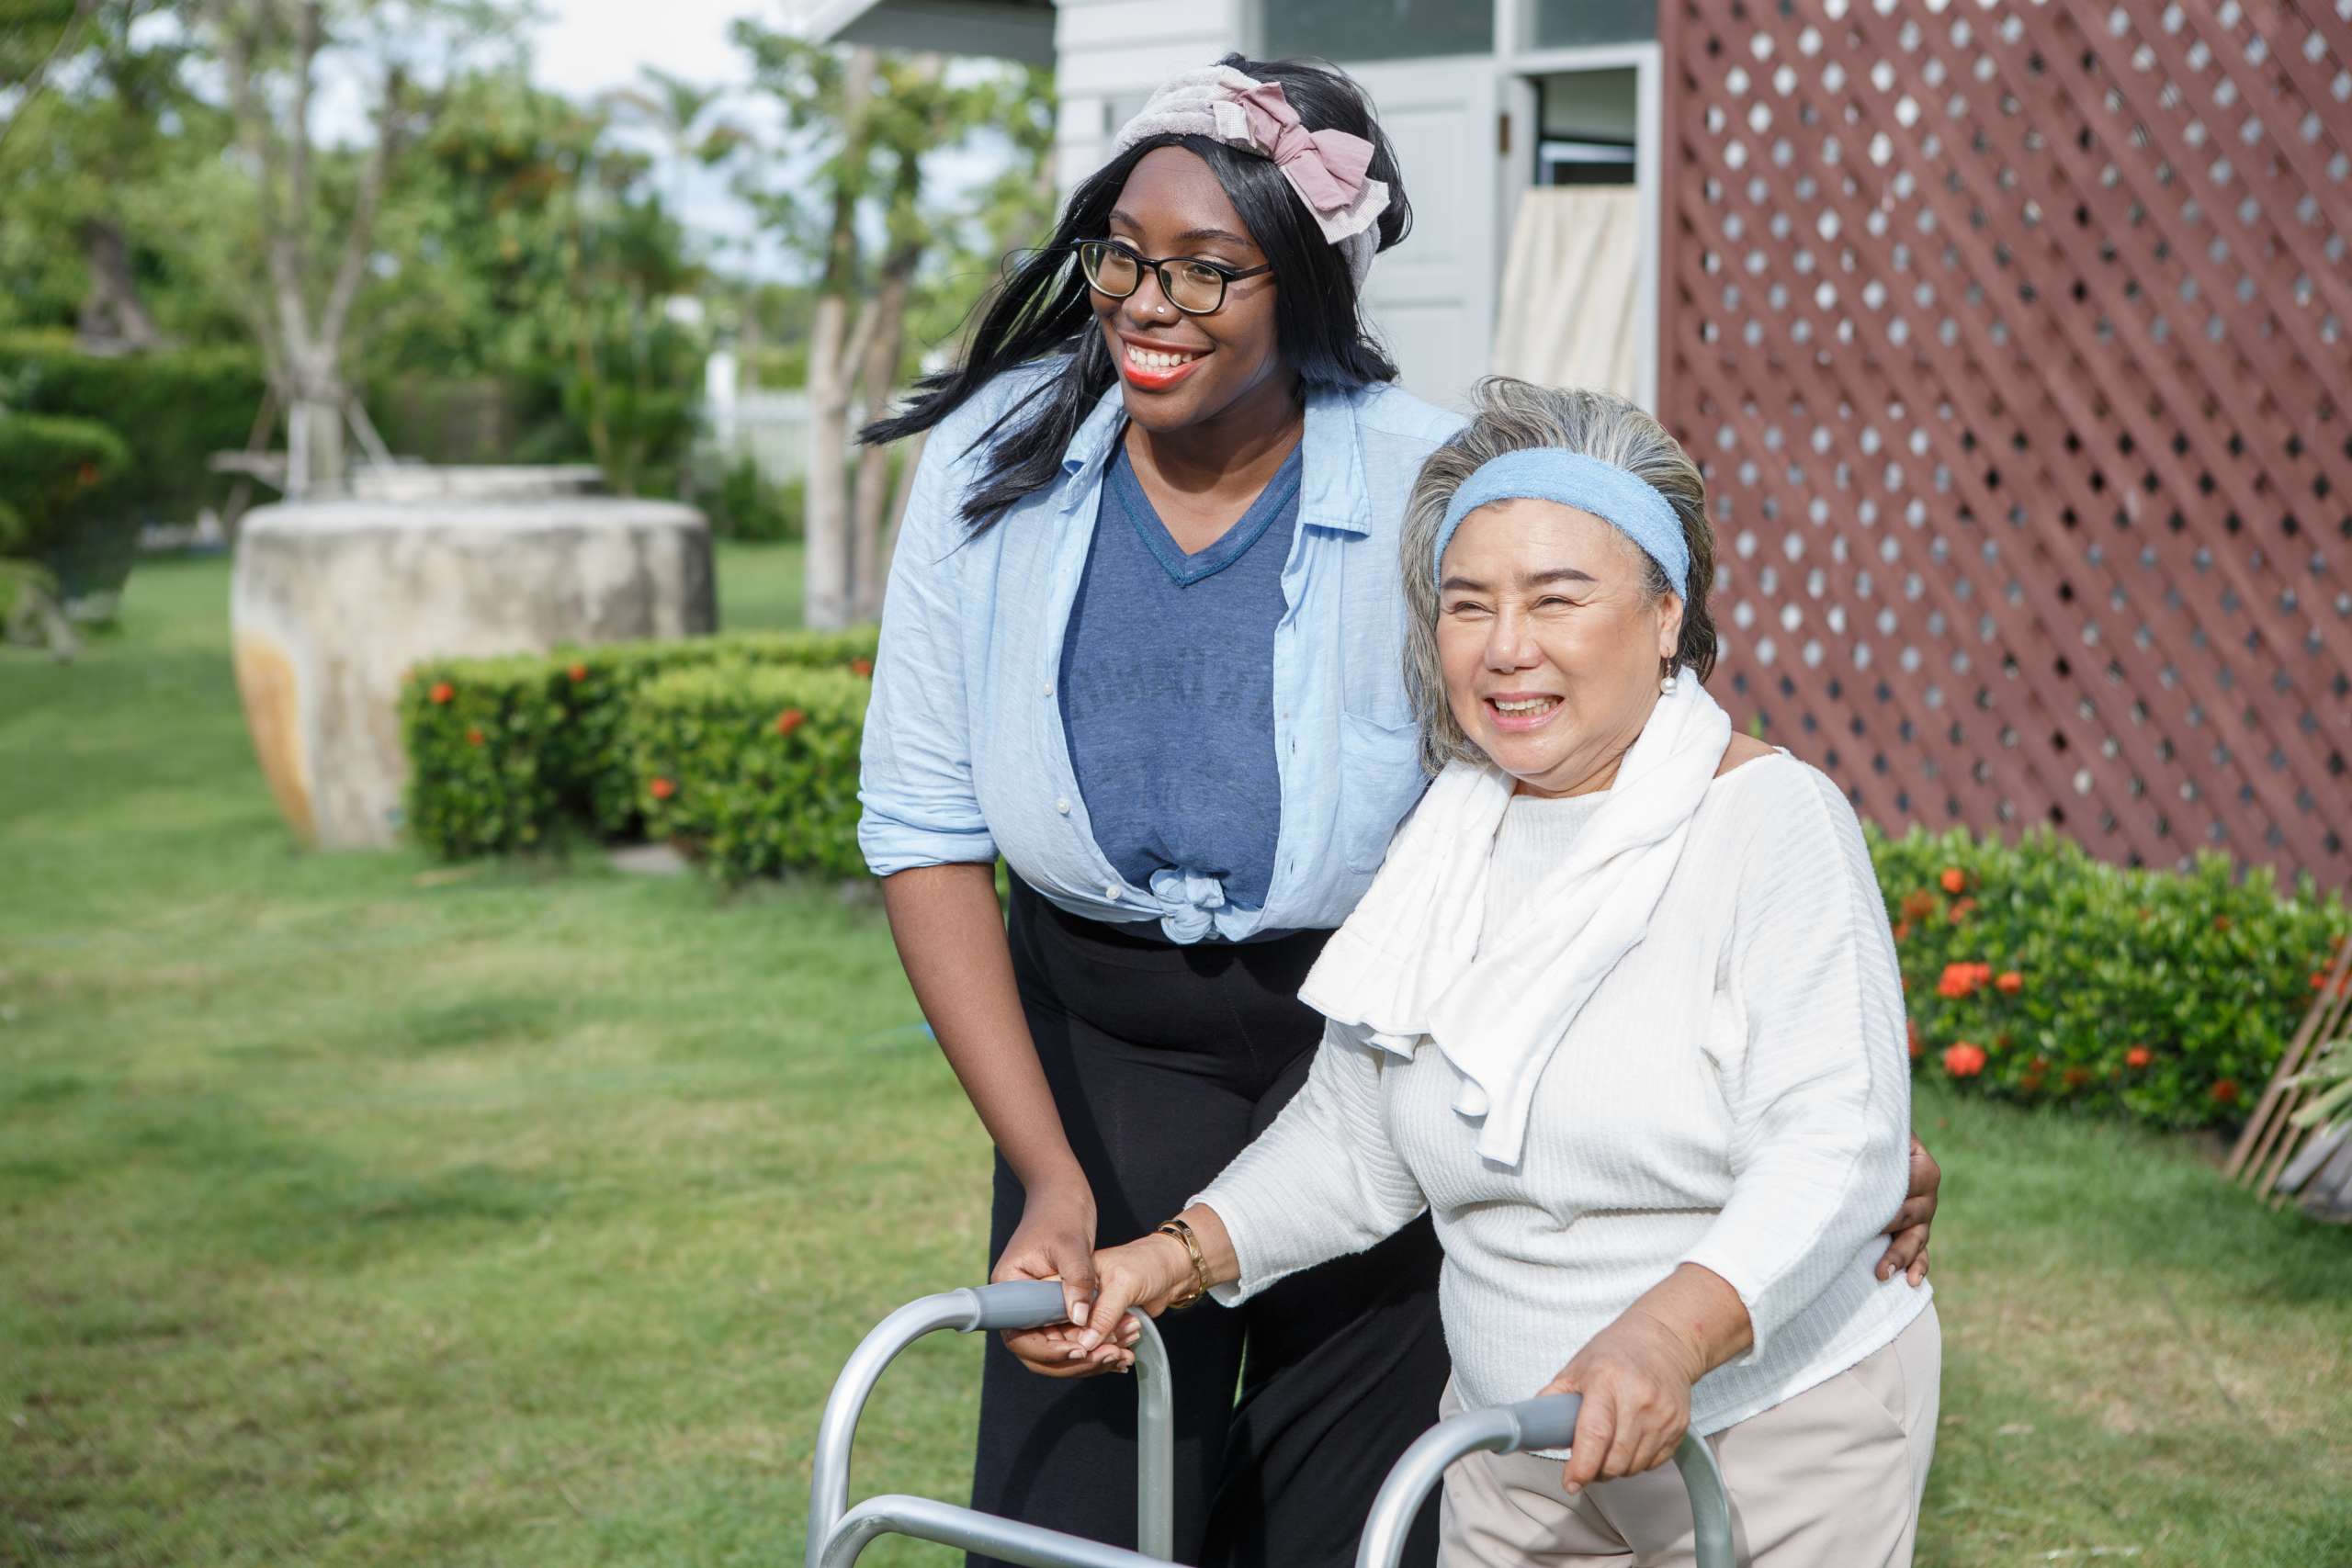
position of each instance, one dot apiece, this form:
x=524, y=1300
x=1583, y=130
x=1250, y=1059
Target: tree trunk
x=826, y=567
x=834, y=350
x=880, y=374
x=113, y=316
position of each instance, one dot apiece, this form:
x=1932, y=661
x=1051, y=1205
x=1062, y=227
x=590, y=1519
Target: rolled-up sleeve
x=1820, y=1097
x=915, y=775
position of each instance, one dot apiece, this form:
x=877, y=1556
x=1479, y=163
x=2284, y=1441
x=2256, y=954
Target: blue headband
x=1615, y=495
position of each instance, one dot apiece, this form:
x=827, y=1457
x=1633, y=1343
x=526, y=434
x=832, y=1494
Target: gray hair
x=1517, y=416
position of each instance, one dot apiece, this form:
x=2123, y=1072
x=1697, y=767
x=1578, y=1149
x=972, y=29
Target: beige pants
x=1831, y=1477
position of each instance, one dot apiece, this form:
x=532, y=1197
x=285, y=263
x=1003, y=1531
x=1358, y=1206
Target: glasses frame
x=1158, y=265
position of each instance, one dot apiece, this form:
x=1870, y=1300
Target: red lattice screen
x=2013, y=340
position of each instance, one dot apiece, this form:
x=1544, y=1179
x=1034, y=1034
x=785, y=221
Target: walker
x=838, y=1533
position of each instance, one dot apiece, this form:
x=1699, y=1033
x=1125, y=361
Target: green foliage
x=2037, y=974
x=744, y=504
x=57, y=475
x=174, y=407
x=753, y=770
x=535, y=250
x=506, y=753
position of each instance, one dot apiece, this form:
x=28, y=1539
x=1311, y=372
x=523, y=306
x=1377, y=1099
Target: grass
x=362, y=1210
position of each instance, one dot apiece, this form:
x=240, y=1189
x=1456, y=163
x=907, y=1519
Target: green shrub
x=55, y=475
x=174, y=407
x=745, y=505
x=2037, y=974
x=753, y=770
x=504, y=751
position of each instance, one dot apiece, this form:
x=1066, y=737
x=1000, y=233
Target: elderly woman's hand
x=1635, y=1375
x=1146, y=1274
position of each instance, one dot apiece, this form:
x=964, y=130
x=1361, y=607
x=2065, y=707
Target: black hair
x=1041, y=308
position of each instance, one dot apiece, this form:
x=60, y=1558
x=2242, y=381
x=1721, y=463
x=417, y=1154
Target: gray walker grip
x=1015, y=1303
x=1547, y=1422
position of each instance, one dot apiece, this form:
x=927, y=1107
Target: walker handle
x=1547, y=1422
x=1016, y=1303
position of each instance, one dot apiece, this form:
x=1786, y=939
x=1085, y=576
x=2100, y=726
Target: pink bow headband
x=1325, y=167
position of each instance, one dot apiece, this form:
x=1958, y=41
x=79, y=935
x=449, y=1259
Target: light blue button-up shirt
x=965, y=754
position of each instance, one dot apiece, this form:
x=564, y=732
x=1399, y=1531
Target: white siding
x=1109, y=54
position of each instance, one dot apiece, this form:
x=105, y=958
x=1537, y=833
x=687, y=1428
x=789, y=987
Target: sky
x=581, y=48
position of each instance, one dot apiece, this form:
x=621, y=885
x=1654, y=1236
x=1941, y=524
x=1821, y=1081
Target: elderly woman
x=1621, y=1012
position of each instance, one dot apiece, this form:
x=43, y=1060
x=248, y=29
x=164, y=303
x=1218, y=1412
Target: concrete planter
x=330, y=602
x=473, y=481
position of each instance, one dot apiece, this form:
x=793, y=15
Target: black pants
x=1165, y=1061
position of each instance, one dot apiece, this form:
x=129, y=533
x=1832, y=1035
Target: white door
x=1432, y=298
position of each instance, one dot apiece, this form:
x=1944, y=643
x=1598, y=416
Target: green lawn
x=359, y=1210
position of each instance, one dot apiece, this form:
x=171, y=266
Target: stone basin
x=330, y=602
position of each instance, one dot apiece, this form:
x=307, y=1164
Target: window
x=1349, y=30
x=1568, y=24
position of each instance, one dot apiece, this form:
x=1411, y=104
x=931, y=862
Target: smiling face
x=1176, y=370
x=1550, y=645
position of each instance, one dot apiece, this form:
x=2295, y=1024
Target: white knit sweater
x=1736, y=1094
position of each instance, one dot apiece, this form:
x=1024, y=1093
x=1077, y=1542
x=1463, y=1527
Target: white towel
x=1409, y=963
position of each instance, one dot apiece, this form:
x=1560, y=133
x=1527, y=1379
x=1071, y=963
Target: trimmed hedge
x=506, y=753
x=753, y=771
x=54, y=474
x=175, y=408
x=2036, y=973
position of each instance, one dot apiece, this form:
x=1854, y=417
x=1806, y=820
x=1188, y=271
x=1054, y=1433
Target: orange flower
x=1961, y=910
x=2221, y=923
x=662, y=789
x=1901, y=930
x=1918, y=904
x=1911, y=1033
x=2077, y=1078
x=2138, y=1056
x=1963, y=1060
x=578, y=673
x=2009, y=983
x=789, y=720
x=1983, y=973
x=442, y=692
x=474, y=735
x=1954, y=879
x=2225, y=1092
x=1956, y=981
x=861, y=667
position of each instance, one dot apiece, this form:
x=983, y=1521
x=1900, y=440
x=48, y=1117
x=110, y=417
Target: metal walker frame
x=838, y=1533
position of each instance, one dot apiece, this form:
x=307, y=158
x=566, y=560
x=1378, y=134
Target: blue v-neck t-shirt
x=1168, y=693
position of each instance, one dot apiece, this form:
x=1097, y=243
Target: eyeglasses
x=1192, y=285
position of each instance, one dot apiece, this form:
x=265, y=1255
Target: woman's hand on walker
x=1054, y=1241
x=1146, y=1274
x=1908, y=1253
x=1635, y=1377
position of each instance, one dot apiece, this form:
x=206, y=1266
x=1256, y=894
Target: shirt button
x=1062, y=806
x=1049, y=689
x=1111, y=891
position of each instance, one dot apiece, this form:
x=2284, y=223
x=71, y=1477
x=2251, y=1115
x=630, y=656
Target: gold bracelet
x=1184, y=1233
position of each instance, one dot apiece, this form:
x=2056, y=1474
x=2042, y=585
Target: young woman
x=1144, y=640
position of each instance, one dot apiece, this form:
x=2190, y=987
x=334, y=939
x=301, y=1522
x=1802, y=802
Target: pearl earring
x=1666, y=684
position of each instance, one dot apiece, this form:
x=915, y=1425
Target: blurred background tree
x=236, y=229
x=878, y=125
